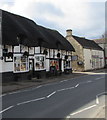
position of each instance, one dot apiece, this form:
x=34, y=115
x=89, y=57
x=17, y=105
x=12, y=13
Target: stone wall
x=79, y=52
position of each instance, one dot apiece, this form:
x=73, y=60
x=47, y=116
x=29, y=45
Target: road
x=63, y=99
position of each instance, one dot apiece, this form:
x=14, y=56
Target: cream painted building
x=87, y=56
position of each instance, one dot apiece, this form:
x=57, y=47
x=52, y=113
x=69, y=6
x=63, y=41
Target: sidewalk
x=13, y=86
x=101, y=113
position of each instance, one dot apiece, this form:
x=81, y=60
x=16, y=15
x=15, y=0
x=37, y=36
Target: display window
x=54, y=63
x=21, y=63
x=40, y=62
x=67, y=64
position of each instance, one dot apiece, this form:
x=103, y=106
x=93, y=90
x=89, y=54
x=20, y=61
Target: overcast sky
x=86, y=18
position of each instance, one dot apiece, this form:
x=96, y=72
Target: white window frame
x=35, y=61
x=20, y=55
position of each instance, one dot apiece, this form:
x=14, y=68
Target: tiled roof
x=90, y=44
x=99, y=41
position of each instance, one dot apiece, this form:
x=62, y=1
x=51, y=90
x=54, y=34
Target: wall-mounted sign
x=74, y=58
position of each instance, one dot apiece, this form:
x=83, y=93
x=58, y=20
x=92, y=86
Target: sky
x=86, y=18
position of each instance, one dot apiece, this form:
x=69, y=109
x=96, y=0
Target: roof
x=89, y=44
x=100, y=41
x=64, y=43
x=20, y=30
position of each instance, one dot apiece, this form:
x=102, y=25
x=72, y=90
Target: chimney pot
x=69, y=32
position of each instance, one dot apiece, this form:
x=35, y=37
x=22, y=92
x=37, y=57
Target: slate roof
x=20, y=30
x=85, y=43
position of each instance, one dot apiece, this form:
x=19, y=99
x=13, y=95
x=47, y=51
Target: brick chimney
x=68, y=32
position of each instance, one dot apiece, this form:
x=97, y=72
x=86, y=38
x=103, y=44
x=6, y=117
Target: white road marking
x=77, y=85
x=14, y=92
x=31, y=101
x=6, y=109
x=99, y=78
x=65, y=80
x=60, y=90
x=89, y=81
x=61, y=81
x=65, y=89
x=3, y=95
x=39, y=86
x=97, y=100
x=51, y=94
x=83, y=110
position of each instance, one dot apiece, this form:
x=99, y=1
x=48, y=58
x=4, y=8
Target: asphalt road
x=68, y=98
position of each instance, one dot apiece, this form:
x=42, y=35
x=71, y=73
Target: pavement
x=14, y=86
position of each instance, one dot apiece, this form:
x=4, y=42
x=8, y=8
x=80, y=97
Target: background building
x=87, y=56
x=103, y=43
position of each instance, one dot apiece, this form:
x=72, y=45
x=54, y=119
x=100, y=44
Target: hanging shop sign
x=74, y=58
x=80, y=63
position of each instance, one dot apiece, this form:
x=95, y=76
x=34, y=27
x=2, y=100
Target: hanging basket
x=26, y=54
x=45, y=52
x=58, y=55
x=66, y=56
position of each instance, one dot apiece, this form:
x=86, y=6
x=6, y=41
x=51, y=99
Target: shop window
x=21, y=64
x=54, y=63
x=67, y=64
x=40, y=62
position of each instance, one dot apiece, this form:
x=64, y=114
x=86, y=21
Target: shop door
x=31, y=67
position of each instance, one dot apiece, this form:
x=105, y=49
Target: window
x=54, y=63
x=67, y=64
x=40, y=62
x=21, y=64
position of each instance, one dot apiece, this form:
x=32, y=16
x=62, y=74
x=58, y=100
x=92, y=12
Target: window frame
x=35, y=61
x=26, y=62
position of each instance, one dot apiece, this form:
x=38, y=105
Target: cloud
x=85, y=18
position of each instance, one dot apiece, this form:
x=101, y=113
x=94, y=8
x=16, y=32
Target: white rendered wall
x=99, y=61
x=37, y=49
x=47, y=65
x=16, y=48
x=31, y=50
x=24, y=48
x=87, y=59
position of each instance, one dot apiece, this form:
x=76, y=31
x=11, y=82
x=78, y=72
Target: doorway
x=60, y=64
x=31, y=67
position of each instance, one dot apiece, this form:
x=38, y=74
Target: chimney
x=83, y=37
x=69, y=32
